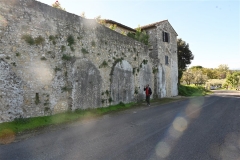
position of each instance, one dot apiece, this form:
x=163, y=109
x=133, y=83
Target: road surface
x=201, y=128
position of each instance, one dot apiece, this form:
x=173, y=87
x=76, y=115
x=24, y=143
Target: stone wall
x=53, y=61
x=166, y=78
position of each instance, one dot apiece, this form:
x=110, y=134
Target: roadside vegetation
x=9, y=130
x=185, y=90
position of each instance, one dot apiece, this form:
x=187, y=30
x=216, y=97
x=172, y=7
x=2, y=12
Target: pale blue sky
x=212, y=28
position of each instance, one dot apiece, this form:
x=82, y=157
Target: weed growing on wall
x=66, y=89
x=53, y=39
x=66, y=57
x=155, y=70
x=39, y=40
x=43, y=58
x=18, y=54
x=8, y=57
x=84, y=51
x=115, y=62
x=70, y=40
x=145, y=61
x=107, y=92
x=110, y=99
x=136, y=90
x=63, y=48
x=28, y=39
x=14, y=64
x=57, y=69
x=140, y=36
x=104, y=64
x=79, y=37
x=103, y=100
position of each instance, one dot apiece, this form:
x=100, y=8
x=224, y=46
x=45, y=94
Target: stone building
x=52, y=61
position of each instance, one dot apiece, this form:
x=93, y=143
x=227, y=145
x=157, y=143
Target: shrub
x=43, y=58
x=53, y=39
x=57, y=69
x=70, y=40
x=18, y=54
x=84, y=51
x=39, y=40
x=192, y=90
x=104, y=64
x=29, y=39
x=63, y=48
x=66, y=89
x=66, y=57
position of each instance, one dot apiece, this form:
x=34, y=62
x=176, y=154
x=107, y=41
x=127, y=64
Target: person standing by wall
x=148, y=92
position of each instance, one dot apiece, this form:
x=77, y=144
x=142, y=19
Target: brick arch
x=11, y=93
x=122, y=83
x=87, y=84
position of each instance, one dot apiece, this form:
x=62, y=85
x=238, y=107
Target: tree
x=199, y=77
x=57, y=5
x=140, y=35
x=211, y=73
x=223, y=69
x=187, y=77
x=233, y=79
x=185, y=57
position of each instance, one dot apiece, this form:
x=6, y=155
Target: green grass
x=192, y=90
x=24, y=124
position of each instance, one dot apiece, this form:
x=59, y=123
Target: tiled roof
x=119, y=24
x=152, y=25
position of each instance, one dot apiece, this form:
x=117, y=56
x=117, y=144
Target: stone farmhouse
x=53, y=61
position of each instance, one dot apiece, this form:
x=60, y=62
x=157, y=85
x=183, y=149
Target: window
x=166, y=60
x=166, y=37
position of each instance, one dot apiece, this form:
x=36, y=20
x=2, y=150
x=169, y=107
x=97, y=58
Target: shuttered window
x=166, y=37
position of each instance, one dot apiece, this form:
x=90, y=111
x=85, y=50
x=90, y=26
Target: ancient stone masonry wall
x=170, y=70
x=53, y=61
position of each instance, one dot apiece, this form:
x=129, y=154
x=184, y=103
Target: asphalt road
x=201, y=128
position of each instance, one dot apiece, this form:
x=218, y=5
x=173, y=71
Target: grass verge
x=9, y=130
x=192, y=91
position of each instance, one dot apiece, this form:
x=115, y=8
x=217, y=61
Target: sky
x=210, y=27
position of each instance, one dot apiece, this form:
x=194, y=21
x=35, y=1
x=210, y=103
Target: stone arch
x=122, y=83
x=11, y=93
x=145, y=77
x=161, y=82
x=87, y=84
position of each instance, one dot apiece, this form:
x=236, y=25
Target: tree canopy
x=185, y=55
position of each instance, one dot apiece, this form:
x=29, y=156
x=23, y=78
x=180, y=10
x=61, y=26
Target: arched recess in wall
x=161, y=82
x=122, y=83
x=145, y=77
x=11, y=93
x=87, y=84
